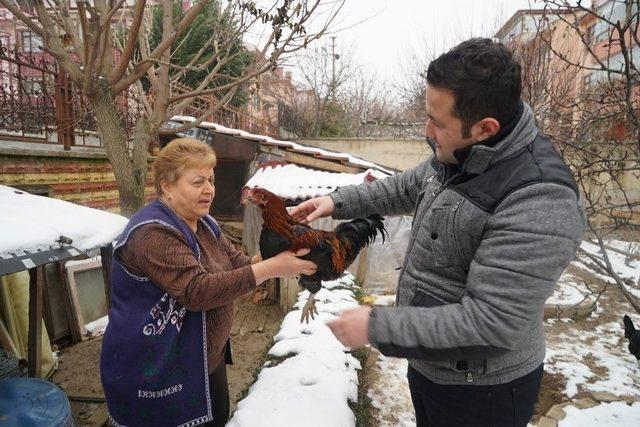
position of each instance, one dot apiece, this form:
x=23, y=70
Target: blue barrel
x=27, y=402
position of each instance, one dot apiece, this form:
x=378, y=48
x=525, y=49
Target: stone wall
x=398, y=154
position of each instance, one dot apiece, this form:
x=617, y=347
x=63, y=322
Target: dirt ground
x=78, y=371
x=615, y=306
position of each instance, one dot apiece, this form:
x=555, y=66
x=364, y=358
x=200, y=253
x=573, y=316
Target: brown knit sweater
x=211, y=284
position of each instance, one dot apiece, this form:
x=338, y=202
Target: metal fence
x=39, y=103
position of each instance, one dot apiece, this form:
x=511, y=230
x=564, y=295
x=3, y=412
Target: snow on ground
x=595, y=360
x=575, y=356
x=389, y=391
x=314, y=385
x=390, y=394
x=23, y=229
x=569, y=291
x=630, y=271
x=615, y=414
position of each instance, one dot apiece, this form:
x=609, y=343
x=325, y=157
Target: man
x=496, y=220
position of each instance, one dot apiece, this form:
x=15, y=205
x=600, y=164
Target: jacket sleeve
x=527, y=243
x=163, y=255
x=394, y=195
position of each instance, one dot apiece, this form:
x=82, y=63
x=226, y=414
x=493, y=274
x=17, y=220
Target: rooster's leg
x=309, y=309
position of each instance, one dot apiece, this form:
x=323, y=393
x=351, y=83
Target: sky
x=385, y=34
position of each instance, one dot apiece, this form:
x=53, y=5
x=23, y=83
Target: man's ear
x=485, y=129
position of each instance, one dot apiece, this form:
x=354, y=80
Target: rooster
x=331, y=251
x=633, y=336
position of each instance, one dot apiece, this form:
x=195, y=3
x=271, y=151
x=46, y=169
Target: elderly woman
x=173, y=283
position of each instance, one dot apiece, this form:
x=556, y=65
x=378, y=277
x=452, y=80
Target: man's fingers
x=312, y=216
x=302, y=252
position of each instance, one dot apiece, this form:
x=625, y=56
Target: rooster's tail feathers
x=629, y=327
x=364, y=230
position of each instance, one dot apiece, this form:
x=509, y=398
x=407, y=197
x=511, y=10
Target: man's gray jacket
x=487, y=247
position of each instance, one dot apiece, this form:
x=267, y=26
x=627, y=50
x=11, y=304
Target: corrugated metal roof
x=292, y=182
x=343, y=158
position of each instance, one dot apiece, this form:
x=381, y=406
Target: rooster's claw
x=309, y=309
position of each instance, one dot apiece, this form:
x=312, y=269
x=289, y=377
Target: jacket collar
x=517, y=133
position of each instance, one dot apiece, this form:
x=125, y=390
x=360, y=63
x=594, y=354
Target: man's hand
x=352, y=328
x=313, y=209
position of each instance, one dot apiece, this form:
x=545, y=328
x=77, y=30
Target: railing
x=39, y=103
x=28, y=92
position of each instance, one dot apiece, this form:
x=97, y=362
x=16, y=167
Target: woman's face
x=191, y=195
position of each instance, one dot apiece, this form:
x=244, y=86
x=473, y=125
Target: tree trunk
x=129, y=170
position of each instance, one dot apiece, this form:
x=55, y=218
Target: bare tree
x=324, y=75
x=598, y=128
x=105, y=51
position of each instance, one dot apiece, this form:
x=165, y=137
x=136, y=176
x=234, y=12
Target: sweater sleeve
x=394, y=195
x=237, y=258
x=163, y=255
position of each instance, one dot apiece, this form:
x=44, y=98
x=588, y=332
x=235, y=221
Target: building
x=572, y=62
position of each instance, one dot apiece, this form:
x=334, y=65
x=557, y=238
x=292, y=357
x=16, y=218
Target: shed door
x=230, y=178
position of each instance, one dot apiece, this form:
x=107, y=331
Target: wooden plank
x=246, y=324
x=257, y=319
x=310, y=160
x=86, y=398
x=237, y=323
x=263, y=321
x=71, y=318
x=35, y=321
x=361, y=273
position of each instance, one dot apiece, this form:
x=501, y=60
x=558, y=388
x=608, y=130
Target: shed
x=38, y=232
x=240, y=154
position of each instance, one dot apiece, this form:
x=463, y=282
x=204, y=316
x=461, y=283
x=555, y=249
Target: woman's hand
x=285, y=264
x=313, y=209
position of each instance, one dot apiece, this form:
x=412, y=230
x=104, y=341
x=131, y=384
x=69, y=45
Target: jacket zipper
x=453, y=224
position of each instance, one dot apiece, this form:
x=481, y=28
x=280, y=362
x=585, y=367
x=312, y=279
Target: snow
x=568, y=291
x=615, y=414
x=293, y=182
x=390, y=393
x=24, y=228
x=314, y=385
x=97, y=327
x=604, y=347
x=631, y=271
x=291, y=145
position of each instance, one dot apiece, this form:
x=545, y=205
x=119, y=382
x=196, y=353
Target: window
x=31, y=42
x=589, y=34
x=614, y=11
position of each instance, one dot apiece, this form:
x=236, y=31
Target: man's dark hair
x=484, y=78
